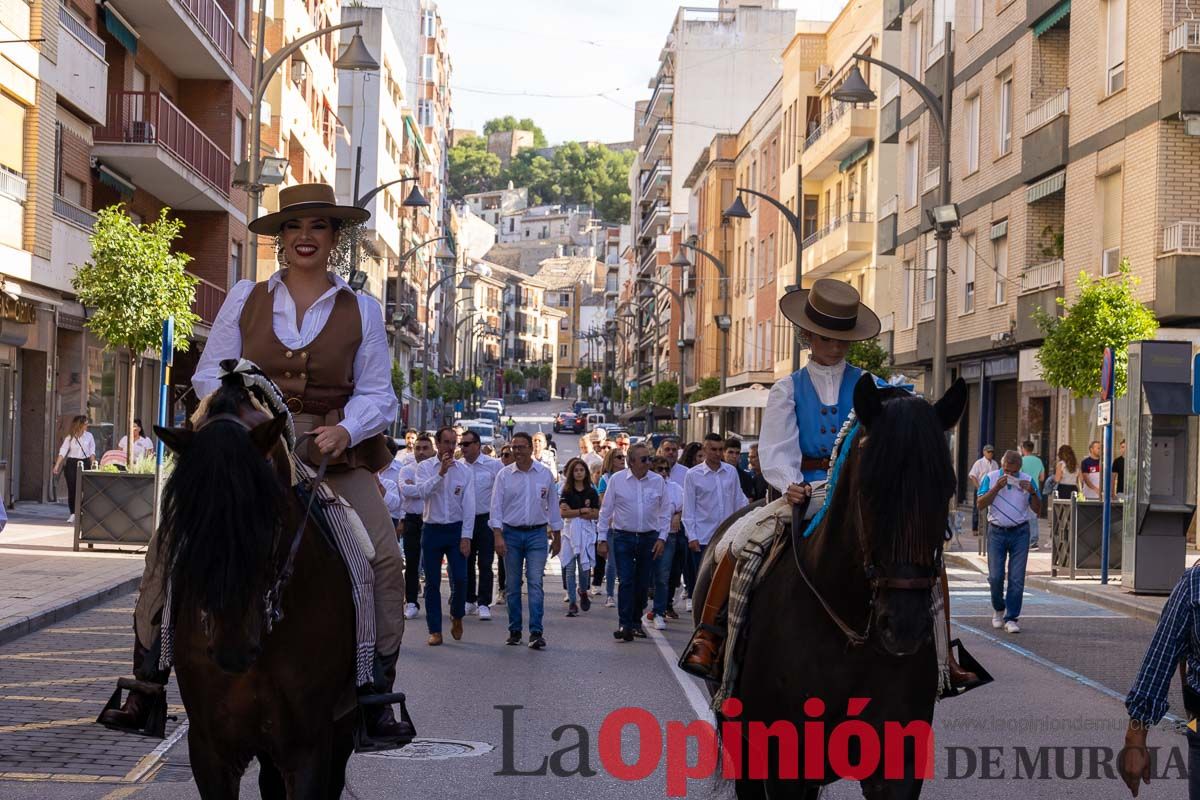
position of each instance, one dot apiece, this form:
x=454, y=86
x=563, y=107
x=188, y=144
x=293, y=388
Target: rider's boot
x=702, y=656
x=959, y=677
x=378, y=719
x=146, y=698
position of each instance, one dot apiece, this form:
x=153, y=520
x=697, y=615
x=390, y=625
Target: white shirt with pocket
x=82, y=446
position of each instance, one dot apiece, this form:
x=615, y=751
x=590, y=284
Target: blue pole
x=164, y=382
x=1107, y=495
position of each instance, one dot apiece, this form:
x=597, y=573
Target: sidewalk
x=963, y=552
x=43, y=580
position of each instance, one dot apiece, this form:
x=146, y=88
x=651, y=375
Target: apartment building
x=1061, y=113
x=491, y=206
x=572, y=282
x=480, y=331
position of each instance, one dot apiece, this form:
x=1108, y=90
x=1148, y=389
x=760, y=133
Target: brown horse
x=846, y=615
x=281, y=691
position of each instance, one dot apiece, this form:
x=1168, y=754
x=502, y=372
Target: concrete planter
x=115, y=508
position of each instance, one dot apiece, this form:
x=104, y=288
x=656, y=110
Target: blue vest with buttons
x=818, y=423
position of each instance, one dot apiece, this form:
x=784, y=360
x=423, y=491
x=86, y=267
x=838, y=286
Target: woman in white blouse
x=78, y=447
x=142, y=446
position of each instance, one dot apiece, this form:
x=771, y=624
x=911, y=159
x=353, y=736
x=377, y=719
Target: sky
x=576, y=67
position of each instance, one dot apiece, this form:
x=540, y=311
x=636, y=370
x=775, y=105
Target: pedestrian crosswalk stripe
x=58, y=681
x=40, y=726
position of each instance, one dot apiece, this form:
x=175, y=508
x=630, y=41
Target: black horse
x=847, y=617
x=283, y=694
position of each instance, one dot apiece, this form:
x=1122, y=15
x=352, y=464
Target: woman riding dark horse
x=230, y=522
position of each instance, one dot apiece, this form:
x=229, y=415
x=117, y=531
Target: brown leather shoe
x=960, y=677
x=131, y=716
x=703, y=656
x=456, y=628
x=435, y=639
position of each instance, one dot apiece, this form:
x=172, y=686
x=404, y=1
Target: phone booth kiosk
x=1159, y=491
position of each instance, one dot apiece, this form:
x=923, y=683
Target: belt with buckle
x=525, y=528
x=298, y=405
x=807, y=464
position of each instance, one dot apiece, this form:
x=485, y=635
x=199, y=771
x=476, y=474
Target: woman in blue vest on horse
x=804, y=413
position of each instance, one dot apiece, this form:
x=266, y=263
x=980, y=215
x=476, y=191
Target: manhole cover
x=435, y=750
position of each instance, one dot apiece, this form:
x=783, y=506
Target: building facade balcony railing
x=663, y=90
x=936, y=51
x=890, y=92
x=835, y=224
x=657, y=214
x=13, y=185
x=1183, y=237
x=1042, y=276
x=149, y=118
x=1184, y=36
x=65, y=209
x=889, y=206
x=81, y=31
x=826, y=123
x=214, y=22
x=657, y=142
x=932, y=180
x=1053, y=108
x=925, y=310
x=208, y=300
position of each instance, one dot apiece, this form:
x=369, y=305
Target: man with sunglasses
x=413, y=507
x=479, y=562
x=634, y=517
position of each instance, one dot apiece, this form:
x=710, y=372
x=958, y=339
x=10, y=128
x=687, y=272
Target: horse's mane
x=905, y=476
x=221, y=509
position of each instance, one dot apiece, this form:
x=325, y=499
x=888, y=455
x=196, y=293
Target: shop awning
x=752, y=397
x=1052, y=18
x=1046, y=187
x=121, y=30
x=858, y=155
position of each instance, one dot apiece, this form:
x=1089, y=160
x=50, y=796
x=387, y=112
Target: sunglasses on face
x=643, y=459
x=618, y=458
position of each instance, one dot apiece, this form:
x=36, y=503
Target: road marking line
x=114, y=610
x=40, y=777
x=105, y=629
x=48, y=659
x=36, y=699
x=66, y=652
x=122, y=793
x=154, y=756
x=39, y=726
x=696, y=696
x=1025, y=616
x=58, y=682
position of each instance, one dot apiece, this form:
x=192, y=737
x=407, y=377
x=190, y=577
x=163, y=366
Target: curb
x=1108, y=600
x=70, y=608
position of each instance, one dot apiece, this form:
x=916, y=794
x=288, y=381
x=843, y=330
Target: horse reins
x=273, y=610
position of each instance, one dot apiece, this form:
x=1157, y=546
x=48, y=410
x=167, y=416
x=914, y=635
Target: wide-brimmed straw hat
x=307, y=200
x=832, y=309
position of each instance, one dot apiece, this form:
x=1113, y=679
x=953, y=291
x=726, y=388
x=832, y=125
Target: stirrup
x=969, y=664
x=715, y=669
x=156, y=719
x=363, y=742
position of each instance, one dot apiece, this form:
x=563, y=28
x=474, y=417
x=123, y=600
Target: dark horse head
x=222, y=511
x=896, y=498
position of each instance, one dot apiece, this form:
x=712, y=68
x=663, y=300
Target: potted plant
x=131, y=286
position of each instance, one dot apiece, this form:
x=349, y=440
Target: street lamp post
x=723, y=320
x=466, y=275
x=649, y=293
x=945, y=216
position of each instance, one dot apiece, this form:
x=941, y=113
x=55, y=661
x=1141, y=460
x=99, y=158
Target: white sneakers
x=410, y=610
x=660, y=624
x=471, y=609
x=997, y=619
x=610, y=602
x=687, y=606
x=485, y=612
x=71, y=519
x=1012, y=627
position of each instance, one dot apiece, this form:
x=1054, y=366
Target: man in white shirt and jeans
x=524, y=505
x=986, y=463
x=1008, y=495
x=485, y=468
x=712, y=491
x=448, y=489
x=412, y=508
x=635, y=519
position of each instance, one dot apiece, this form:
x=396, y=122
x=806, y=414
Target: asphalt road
x=1057, y=693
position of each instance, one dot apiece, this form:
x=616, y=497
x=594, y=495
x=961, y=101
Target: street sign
x=1104, y=413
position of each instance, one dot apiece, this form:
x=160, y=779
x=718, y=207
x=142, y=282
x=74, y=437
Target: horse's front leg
x=218, y=775
x=307, y=775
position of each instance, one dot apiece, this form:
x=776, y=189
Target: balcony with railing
x=1181, y=72
x=1051, y=109
x=76, y=215
x=1045, y=140
x=80, y=59
x=148, y=138
x=194, y=38
x=841, y=242
x=925, y=310
x=840, y=133
x=1046, y=275
x=664, y=90
x=1182, y=238
x=655, y=181
x=932, y=180
x=1184, y=36
x=208, y=300
x=658, y=214
x=658, y=142
x=13, y=192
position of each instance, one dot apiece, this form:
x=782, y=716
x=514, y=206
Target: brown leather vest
x=318, y=379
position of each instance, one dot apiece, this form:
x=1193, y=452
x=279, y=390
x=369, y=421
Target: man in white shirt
x=448, y=489
x=588, y=454
x=483, y=552
x=542, y=453
x=982, y=466
x=524, y=505
x=675, y=562
x=1008, y=495
x=712, y=492
x=412, y=508
x=635, y=519
x=407, y=455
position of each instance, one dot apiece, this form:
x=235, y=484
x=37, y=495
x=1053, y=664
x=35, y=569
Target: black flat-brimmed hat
x=307, y=200
x=832, y=309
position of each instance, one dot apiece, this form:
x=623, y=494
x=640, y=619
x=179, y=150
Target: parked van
x=595, y=419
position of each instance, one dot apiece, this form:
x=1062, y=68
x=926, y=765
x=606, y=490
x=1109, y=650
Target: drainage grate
x=435, y=750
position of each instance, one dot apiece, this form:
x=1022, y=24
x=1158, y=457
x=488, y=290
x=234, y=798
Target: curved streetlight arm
x=676, y=296
x=366, y=198
x=928, y=97
x=279, y=56
x=716, y=262
x=456, y=274
x=790, y=215
x=417, y=247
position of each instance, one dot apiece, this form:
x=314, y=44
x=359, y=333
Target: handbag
x=87, y=460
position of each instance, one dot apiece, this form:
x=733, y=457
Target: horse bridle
x=876, y=578
x=273, y=608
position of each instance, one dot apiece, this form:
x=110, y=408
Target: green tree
x=584, y=377
x=398, y=380
x=433, y=387
x=514, y=377
x=511, y=123
x=471, y=167
x=868, y=355
x=706, y=388
x=612, y=389
x=133, y=283
x=665, y=393
x=593, y=175
x=1106, y=314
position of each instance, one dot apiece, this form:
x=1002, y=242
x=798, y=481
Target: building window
x=906, y=315
x=564, y=299
x=562, y=351
x=1114, y=45
x=968, y=302
x=12, y=135
x=1110, y=188
x=239, y=138
x=240, y=16
x=428, y=24
x=929, y=279
x=912, y=172
x=427, y=67
x=943, y=12
x=425, y=113
x=976, y=21
x=1004, y=124
x=235, y=263
x=972, y=134
x=1000, y=264
x=915, y=46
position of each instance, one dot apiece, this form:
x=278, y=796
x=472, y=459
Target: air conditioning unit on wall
x=1110, y=261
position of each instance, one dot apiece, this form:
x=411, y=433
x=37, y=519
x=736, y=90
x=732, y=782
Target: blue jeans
x=438, y=541
x=634, y=554
x=569, y=572
x=1011, y=544
x=662, y=575
x=526, y=550
x=694, y=557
